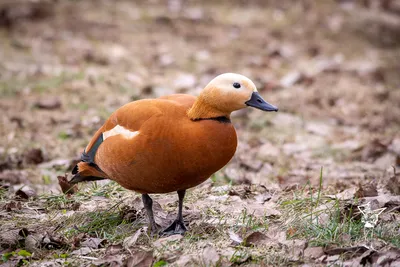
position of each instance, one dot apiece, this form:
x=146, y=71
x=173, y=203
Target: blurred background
x=332, y=68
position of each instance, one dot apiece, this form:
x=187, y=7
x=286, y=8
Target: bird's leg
x=178, y=226
x=148, y=205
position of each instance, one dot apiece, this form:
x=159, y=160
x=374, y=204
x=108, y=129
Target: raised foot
x=177, y=227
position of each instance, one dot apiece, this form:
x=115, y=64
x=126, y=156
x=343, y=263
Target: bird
x=169, y=144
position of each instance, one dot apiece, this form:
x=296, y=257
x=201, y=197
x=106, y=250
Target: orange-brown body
x=171, y=152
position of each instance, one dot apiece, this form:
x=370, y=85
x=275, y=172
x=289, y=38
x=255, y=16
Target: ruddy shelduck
x=171, y=143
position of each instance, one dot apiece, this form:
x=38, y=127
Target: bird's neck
x=201, y=109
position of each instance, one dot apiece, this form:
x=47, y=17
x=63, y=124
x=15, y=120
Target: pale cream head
x=229, y=91
x=226, y=93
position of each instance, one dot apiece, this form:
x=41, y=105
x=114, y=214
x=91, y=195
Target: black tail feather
x=75, y=170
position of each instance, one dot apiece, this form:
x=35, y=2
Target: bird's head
x=229, y=92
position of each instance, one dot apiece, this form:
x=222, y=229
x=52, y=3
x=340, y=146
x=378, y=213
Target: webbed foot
x=177, y=227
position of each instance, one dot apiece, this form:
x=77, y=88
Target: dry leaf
x=12, y=205
x=140, y=258
x=110, y=260
x=367, y=190
x=262, y=198
x=338, y=251
x=93, y=242
x=235, y=238
x=313, y=252
x=347, y=194
x=25, y=192
x=393, y=183
x=81, y=251
x=295, y=248
x=66, y=187
x=9, y=238
x=161, y=242
x=51, y=242
x=114, y=249
x=130, y=241
x=256, y=238
x=186, y=260
x=210, y=256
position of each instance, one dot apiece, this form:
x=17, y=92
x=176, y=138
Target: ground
x=315, y=184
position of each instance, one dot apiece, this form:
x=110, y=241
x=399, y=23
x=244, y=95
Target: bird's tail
x=84, y=172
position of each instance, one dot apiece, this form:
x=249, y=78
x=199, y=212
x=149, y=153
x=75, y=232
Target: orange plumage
x=171, y=143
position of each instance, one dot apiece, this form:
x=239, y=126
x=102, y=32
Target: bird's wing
x=126, y=120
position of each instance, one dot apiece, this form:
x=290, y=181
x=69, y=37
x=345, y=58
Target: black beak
x=257, y=101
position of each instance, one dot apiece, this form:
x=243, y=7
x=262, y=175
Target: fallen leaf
x=82, y=251
x=313, y=252
x=332, y=258
x=12, y=205
x=263, y=210
x=256, y=238
x=93, y=242
x=9, y=238
x=346, y=194
x=235, y=238
x=367, y=190
x=114, y=249
x=32, y=242
x=393, y=184
x=66, y=187
x=295, y=248
x=130, y=241
x=384, y=201
x=110, y=260
x=276, y=234
x=140, y=258
x=25, y=192
x=210, y=256
x=386, y=257
x=51, y=242
x=338, y=251
x=161, y=242
x=186, y=260
x=262, y=198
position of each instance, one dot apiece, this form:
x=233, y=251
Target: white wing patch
x=120, y=130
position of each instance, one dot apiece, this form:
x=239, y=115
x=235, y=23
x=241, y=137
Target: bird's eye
x=236, y=85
